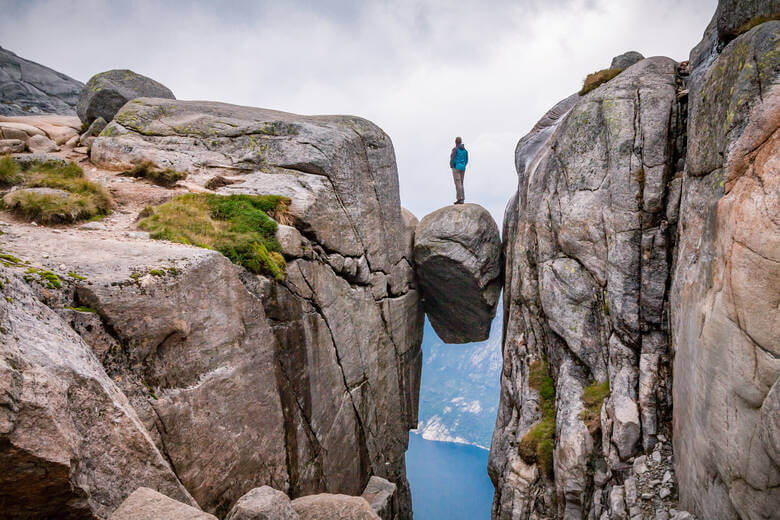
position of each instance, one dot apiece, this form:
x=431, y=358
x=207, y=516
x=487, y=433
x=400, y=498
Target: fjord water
x=449, y=481
x=447, y=461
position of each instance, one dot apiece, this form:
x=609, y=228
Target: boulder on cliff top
x=457, y=253
x=148, y=504
x=105, y=93
x=327, y=507
x=626, y=59
x=263, y=503
x=29, y=88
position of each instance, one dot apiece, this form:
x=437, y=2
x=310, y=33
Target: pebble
x=647, y=496
x=93, y=226
x=654, y=483
x=656, y=456
x=664, y=493
x=137, y=234
x=661, y=515
x=45, y=255
x=662, y=438
x=63, y=267
x=667, y=477
x=640, y=465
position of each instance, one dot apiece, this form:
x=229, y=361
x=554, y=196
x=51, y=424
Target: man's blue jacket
x=459, y=158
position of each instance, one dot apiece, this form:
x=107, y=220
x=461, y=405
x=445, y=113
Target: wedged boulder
x=29, y=88
x=71, y=445
x=148, y=504
x=326, y=506
x=457, y=256
x=263, y=503
x=106, y=92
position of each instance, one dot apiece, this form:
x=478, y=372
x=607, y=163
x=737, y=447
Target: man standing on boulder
x=459, y=158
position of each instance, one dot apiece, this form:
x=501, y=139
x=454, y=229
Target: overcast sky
x=424, y=71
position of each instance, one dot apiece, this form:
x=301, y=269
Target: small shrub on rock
x=162, y=177
x=597, y=79
x=10, y=172
x=592, y=398
x=238, y=226
x=538, y=443
x=55, y=193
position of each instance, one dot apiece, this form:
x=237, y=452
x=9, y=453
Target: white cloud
x=423, y=71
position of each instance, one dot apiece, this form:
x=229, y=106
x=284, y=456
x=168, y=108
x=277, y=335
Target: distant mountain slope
x=460, y=388
x=29, y=88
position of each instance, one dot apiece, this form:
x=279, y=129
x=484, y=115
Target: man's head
x=458, y=141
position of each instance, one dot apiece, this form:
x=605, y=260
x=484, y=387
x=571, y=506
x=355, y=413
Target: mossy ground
x=238, y=226
x=85, y=199
x=538, y=444
x=166, y=177
x=596, y=79
x=592, y=398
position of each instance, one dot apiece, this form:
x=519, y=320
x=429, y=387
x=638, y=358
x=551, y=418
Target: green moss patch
x=238, y=226
x=166, y=177
x=597, y=79
x=83, y=200
x=538, y=444
x=76, y=276
x=45, y=277
x=592, y=398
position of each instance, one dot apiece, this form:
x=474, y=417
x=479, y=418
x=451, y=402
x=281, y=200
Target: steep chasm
x=640, y=295
x=308, y=383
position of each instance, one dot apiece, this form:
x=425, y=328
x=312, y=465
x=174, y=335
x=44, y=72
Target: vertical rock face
x=586, y=247
x=307, y=385
x=725, y=316
x=605, y=284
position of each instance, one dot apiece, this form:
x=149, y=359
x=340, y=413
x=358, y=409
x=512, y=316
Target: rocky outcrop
x=724, y=308
x=382, y=497
x=148, y=504
x=71, y=444
x=643, y=219
x=280, y=378
x=28, y=88
x=327, y=507
x=457, y=255
x=264, y=503
x=43, y=133
x=106, y=92
x=586, y=241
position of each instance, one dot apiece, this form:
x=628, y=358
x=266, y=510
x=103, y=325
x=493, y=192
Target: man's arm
x=452, y=157
x=467, y=157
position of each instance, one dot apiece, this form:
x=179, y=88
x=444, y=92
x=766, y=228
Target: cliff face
x=616, y=309
x=228, y=380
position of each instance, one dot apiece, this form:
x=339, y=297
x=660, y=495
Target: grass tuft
x=238, y=226
x=538, y=443
x=592, y=398
x=597, y=79
x=162, y=177
x=85, y=200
